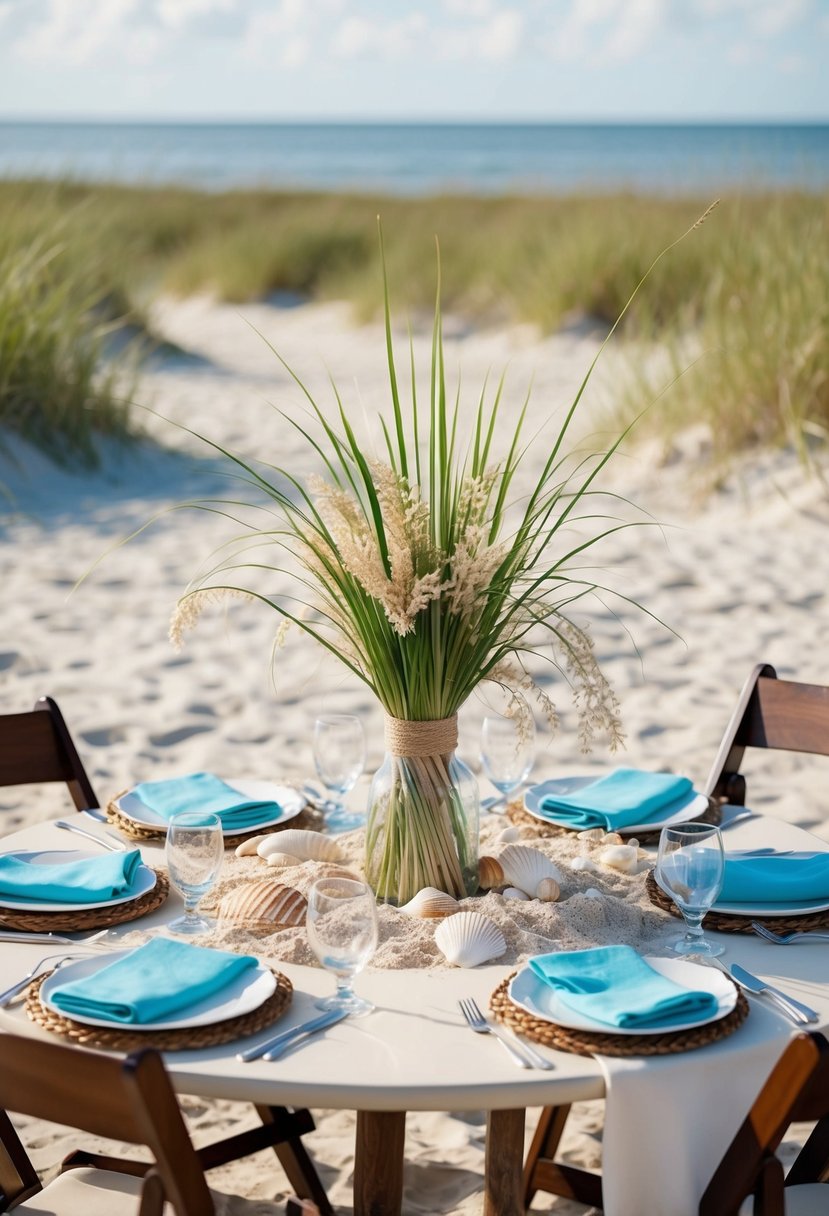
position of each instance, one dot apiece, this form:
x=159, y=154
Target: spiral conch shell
x=248, y=847
x=524, y=868
x=264, y=903
x=469, y=938
x=430, y=903
x=490, y=873
x=297, y=842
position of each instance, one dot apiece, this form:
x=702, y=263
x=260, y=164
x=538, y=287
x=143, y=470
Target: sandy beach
x=730, y=579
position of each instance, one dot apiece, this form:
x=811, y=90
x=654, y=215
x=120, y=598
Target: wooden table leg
x=378, y=1163
x=503, y=1187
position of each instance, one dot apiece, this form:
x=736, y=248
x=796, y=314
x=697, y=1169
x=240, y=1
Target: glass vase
x=422, y=824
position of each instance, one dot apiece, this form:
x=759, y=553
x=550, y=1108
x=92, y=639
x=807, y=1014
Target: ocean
x=416, y=159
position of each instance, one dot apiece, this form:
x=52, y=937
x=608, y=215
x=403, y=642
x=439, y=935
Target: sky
x=537, y=60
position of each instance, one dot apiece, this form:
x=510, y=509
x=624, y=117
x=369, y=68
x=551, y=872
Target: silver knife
x=287, y=1037
x=795, y=1009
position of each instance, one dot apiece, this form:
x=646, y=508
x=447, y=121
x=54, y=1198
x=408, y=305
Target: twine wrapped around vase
x=422, y=828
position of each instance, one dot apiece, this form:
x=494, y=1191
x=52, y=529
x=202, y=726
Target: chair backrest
x=797, y=1090
x=772, y=713
x=129, y=1099
x=37, y=747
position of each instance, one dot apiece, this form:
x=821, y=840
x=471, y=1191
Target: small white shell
x=583, y=863
x=548, y=891
x=514, y=893
x=622, y=857
x=430, y=903
x=490, y=873
x=282, y=861
x=509, y=835
x=298, y=842
x=592, y=893
x=468, y=938
x=525, y=868
x=613, y=838
x=248, y=847
x=591, y=835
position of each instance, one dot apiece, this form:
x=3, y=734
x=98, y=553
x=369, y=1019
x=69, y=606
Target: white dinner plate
x=290, y=803
x=244, y=994
x=144, y=881
x=531, y=994
x=681, y=810
x=773, y=909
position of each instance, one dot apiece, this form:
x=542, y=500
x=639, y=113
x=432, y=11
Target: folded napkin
x=85, y=881
x=614, y=985
x=204, y=792
x=627, y=795
x=775, y=879
x=151, y=982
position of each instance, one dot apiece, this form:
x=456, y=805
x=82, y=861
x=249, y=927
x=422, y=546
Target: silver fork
x=10, y=993
x=783, y=939
x=111, y=842
x=524, y=1056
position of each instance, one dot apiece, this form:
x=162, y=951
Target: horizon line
x=310, y=120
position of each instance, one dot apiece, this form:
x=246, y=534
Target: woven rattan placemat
x=521, y=818
x=726, y=922
x=584, y=1043
x=308, y=818
x=88, y=918
x=127, y=1039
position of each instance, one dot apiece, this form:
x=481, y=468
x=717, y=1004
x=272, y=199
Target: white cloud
x=359, y=36
x=74, y=31
x=178, y=13
x=501, y=36
x=636, y=23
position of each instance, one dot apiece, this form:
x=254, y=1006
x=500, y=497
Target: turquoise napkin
x=614, y=985
x=627, y=795
x=151, y=982
x=85, y=881
x=775, y=879
x=204, y=792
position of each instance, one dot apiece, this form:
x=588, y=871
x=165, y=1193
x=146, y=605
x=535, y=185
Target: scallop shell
x=525, y=868
x=468, y=938
x=430, y=903
x=298, y=842
x=514, y=893
x=548, y=891
x=264, y=902
x=248, y=847
x=622, y=857
x=282, y=860
x=490, y=873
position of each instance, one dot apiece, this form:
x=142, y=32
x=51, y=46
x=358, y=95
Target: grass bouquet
x=425, y=572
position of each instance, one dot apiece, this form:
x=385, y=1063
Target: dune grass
x=750, y=291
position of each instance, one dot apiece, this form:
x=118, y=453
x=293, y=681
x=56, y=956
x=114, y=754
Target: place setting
x=245, y=807
x=628, y=801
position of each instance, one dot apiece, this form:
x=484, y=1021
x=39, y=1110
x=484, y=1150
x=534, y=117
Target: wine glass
x=508, y=750
x=342, y=929
x=195, y=851
x=339, y=758
x=690, y=867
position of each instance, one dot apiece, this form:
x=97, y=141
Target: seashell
x=633, y=842
x=613, y=838
x=248, y=847
x=509, y=835
x=299, y=842
x=282, y=860
x=430, y=903
x=583, y=863
x=514, y=893
x=622, y=857
x=591, y=835
x=525, y=868
x=548, y=891
x=592, y=893
x=264, y=901
x=468, y=938
x=490, y=873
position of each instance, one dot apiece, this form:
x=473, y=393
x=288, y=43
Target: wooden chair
x=797, y=1090
x=37, y=747
x=130, y=1099
x=780, y=714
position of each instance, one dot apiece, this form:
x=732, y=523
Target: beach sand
x=737, y=578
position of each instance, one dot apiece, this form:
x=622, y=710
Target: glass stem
x=345, y=991
x=190, y=904
x=693, y=926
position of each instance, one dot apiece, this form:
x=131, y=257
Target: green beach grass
x=749, y=293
